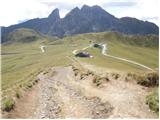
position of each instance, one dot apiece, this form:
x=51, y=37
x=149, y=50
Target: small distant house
x=97, y=45
x=83, y=54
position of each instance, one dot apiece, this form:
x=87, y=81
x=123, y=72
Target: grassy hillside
x=22, y=61
x=23, y=35
x=141, y=49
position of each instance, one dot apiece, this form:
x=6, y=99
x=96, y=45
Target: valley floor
x=62, y=94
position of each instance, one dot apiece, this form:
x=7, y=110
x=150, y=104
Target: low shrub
x=148, y=79
x=153, y=101
x=36, y=80
x=20, y=85
x=115, y=75
x=17, y=95
x=90, y=73
x=97, y=80
x=8, y=104
x=45, y=72
x=130, y=76
x=29, y=85
x=76, y=73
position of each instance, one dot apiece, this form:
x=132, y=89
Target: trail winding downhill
x=62, y=94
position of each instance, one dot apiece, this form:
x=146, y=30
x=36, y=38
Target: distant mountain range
x=85, y=20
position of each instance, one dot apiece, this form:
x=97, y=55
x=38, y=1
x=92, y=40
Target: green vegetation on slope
x=141, y=49
x=23, y=35
x=22, y=61
x=153, y=101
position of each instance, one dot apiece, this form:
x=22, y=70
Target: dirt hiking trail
x=62, y=94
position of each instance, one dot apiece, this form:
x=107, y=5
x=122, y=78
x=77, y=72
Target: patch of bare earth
x=65, y=99
x=25, y=106
x=127, y=98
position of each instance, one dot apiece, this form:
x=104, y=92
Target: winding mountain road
x=104, y=52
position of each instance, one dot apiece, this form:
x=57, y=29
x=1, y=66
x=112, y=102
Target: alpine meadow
x=88, y=64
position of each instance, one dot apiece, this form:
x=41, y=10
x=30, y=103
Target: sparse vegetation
x=45, y=72
x=97, y=80
x=20, y=86
x=8, y=104
x=29, y=85
x=153, y=101
x=17, y=94
x=76, y=71
x=36, y=80
x=115, y=76
x=148, y=79
x=130, y=76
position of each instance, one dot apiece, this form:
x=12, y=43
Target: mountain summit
x=54, y=15
x=85, y=20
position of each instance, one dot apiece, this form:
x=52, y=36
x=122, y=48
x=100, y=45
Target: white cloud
x=144, y=10
x=13, y=11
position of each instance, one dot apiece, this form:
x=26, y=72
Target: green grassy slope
x=141, y=49
x=23, y=35
x=22, y=61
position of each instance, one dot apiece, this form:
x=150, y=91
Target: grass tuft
x=8, y=104
x=148, y=79
x=17, y=95
x=153, y=101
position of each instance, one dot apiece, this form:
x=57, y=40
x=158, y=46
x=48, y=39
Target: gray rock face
x=84, y=20
x=54, y=16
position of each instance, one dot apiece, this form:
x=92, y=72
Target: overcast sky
x=16, y=11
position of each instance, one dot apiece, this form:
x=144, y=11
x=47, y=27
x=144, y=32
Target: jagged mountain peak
x=85, y=7
x=76, y=9
x=73, y=12
x=54, y=14
x=84, y=20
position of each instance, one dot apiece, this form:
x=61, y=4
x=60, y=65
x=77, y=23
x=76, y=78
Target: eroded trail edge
x=67, y=92
x=62, y=97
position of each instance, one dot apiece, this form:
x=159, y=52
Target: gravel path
x=61, y=94
x=61, y=97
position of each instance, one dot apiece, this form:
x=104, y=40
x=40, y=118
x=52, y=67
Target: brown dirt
x=61, y=94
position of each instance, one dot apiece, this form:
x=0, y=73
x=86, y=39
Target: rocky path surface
x=62, y=94
x=61, y=97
